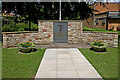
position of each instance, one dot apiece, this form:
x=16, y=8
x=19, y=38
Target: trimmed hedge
x=19, y=27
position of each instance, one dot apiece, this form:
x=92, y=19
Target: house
x=5, y=13
x=105, y=16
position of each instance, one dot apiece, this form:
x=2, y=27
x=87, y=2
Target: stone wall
x=44, y=35
x=74, y=30
x=11, y=39
x=108, y=37
x=46, y=30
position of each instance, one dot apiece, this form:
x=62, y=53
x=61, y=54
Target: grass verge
x=105, y=63
x=119, y=54
x=20, y=65
x=0, y=61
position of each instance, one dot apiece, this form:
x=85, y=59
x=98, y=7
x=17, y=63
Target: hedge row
x=19, y=27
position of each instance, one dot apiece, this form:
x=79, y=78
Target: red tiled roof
x=108, y=7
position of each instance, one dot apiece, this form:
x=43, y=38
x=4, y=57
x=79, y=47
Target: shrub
x=21, y=25
x=6, y=28
x=34, y=27
x=21, y=29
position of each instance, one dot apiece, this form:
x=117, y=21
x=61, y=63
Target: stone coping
x=60, y=21
x=100, y=32
x=20, y=32
x=37, y=32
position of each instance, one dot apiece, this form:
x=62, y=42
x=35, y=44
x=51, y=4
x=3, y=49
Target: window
x=103, y=22
x=97, y=21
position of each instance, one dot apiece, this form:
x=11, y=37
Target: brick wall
x=100, y=25
x=101, y=9
x=88, y=22
x=113, y=23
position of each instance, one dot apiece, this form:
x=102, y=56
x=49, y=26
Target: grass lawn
x=0, y=62
x=16, y=65
x=96, y=29
x=119, y=39
x=105, y=63
x=119, y=54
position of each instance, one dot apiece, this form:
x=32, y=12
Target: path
x=63, y=45
x=65, y=63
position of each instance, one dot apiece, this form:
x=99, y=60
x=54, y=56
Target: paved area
x=63, y=45
x=65, y=63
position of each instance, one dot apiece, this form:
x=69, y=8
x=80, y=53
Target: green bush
x=23, y=25
x=6, y=28
x=34, y=27
x=12, y=25
x=19, y=27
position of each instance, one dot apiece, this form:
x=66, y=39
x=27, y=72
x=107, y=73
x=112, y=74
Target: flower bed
x=98, y=46
x=26, y=46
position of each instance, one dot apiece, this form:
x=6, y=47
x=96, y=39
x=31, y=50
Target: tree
x=75, y=10
x=34, y=11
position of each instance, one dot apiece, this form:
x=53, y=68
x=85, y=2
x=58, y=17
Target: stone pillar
x=45, y=31
x=74, y=30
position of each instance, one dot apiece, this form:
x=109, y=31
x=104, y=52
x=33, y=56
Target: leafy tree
x=75, y=10
x=34, y=11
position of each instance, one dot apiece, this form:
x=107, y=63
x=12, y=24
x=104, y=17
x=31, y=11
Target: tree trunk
x=29, y=24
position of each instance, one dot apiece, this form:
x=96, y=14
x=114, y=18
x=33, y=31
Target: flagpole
x=60, y=10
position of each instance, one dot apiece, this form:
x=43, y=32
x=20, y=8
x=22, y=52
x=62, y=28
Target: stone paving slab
x=65, y=63
x=63, y=45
